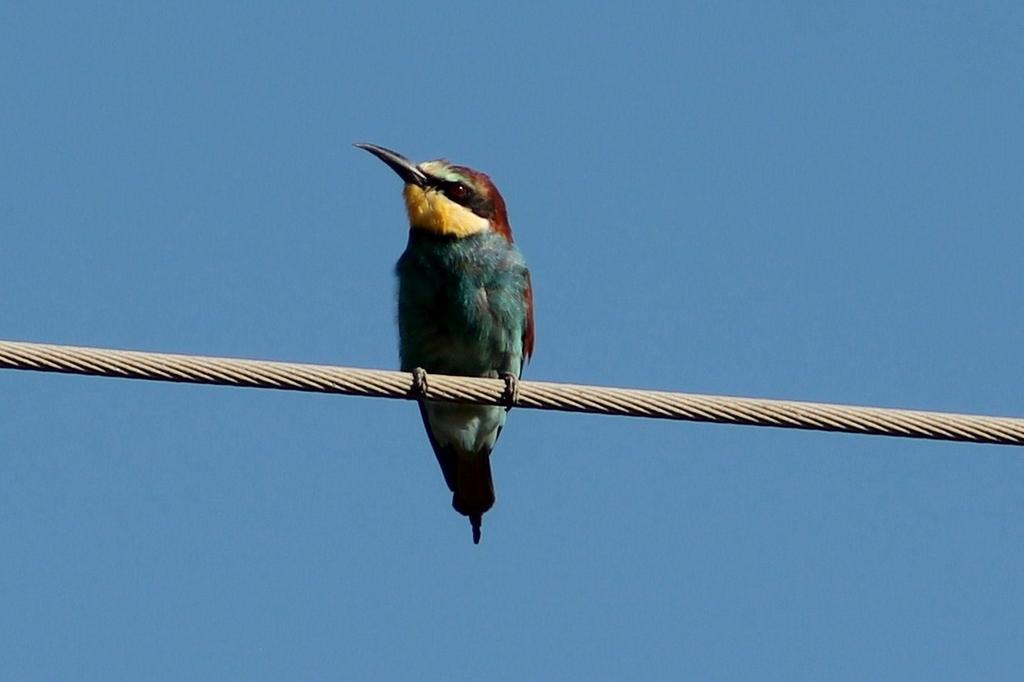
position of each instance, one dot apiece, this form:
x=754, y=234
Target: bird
x=465, y=307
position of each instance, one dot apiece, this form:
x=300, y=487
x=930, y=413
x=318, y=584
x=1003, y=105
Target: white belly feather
x=467, y=428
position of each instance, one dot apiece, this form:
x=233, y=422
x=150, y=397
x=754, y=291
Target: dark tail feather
x=476, y=520
x=474, y=490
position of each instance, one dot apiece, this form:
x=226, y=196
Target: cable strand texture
x=528, y=394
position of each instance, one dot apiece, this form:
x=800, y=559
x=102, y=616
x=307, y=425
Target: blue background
x=795, y=202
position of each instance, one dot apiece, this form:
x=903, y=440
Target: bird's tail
x=473, y=490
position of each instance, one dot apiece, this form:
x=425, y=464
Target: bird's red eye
x=458, y=191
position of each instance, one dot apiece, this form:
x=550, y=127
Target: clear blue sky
x=798, y=202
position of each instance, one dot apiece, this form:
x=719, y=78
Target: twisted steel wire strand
x=528, y=394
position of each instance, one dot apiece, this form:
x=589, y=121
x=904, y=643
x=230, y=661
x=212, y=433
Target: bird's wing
x=528, y=327
x=446, y=456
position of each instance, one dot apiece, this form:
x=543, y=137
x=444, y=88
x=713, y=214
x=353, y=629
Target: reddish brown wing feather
x=528, y=330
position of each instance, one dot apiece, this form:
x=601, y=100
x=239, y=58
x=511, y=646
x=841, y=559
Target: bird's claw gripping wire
x=511, y=396
x=419, y=383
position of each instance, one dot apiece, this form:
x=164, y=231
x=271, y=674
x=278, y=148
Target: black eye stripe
x=470, y=198
x=458, y=192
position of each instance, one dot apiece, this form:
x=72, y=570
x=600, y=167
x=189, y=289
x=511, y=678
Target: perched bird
x=465, y=307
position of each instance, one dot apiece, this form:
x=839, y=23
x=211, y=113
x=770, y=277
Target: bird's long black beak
x=405, y=168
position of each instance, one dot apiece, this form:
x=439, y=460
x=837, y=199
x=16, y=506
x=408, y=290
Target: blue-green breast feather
x=461, y=306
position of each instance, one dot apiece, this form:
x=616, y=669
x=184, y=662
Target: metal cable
x=530, y=394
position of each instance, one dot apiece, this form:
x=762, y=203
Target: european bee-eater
x=465, y=307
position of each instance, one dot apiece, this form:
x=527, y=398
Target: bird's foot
x=511, y=395
x=419, y=383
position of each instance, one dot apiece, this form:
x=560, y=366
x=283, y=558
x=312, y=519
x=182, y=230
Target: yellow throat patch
x=432, y=211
